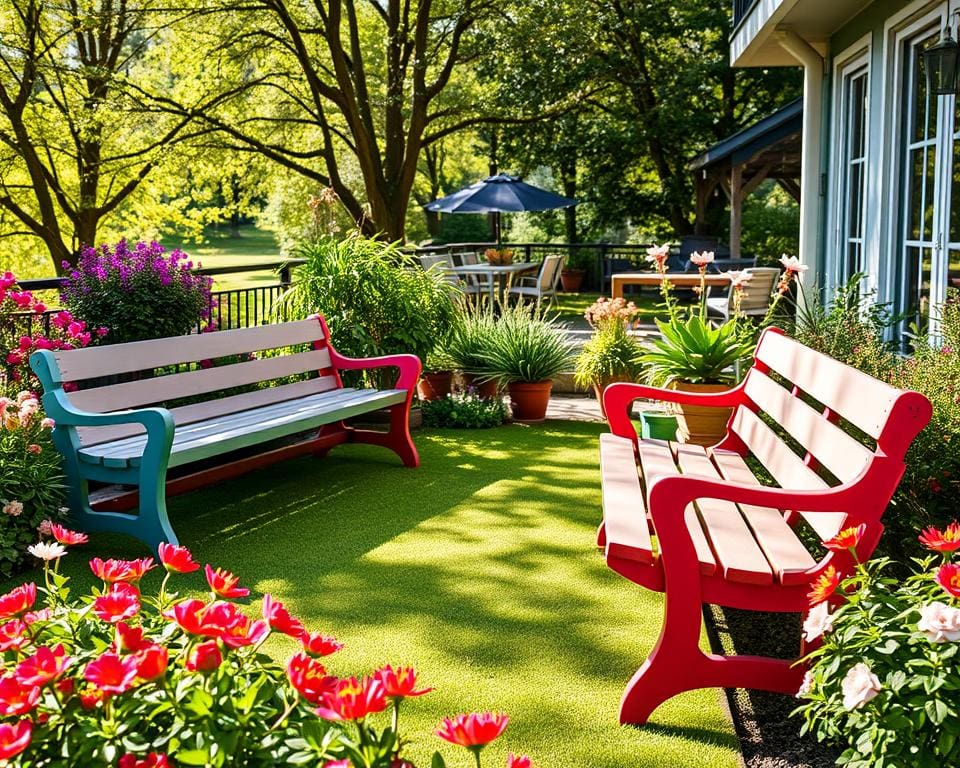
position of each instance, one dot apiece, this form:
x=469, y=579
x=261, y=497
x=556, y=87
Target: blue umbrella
x=499, y=194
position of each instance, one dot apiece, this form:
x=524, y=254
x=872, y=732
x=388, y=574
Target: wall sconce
x=942, y=60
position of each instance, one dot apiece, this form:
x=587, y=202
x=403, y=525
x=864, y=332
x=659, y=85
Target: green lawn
x=479, y=568
x=220, y=249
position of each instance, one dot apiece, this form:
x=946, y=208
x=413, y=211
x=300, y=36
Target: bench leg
x=397, y=439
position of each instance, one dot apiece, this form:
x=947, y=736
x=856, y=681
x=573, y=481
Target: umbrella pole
x=496, y=227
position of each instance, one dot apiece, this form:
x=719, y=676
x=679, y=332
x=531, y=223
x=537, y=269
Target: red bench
x=696, y=524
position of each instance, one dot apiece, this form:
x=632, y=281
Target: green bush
x=470, y=339
x=464, y=410
x=526, y=347
x=610, y=354
x=375, y=298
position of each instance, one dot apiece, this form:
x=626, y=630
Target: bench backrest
x=165, y=382
x=844, y=427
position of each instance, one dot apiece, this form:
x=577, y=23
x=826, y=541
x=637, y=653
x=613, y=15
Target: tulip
x=400, y=683
x=317, y=644
x=151, y=662
x=66, y=536
x=279, y=618
x=353, y=699
x=309, y=677
x=129, y=571
x=473, y=731
x=45, y=666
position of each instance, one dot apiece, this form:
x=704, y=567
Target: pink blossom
x=859, y=686
x=13, y=508
x=940, y=622
x=701, y=258
x=818, y=622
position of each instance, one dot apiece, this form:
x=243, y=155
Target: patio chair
x=470, y=259
x=755, y=296
x=543, y=285
x=444, y=263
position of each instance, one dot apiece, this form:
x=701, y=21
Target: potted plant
x=575, y=269
x=437, y=377
x=611, y=354
x=499, y=256
x=526, y=352
x=466, y=346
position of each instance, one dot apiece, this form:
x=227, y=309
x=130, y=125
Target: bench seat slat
x=624, y=510
x=132, y=394
x=188, y=414
x=738, y=554
x=657, y=460
x=219, y=435
x=91, y=362
x=783, y=550
x=787, y=468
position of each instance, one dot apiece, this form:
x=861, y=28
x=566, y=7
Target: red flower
x=45, y=666
x=12, y=637
x=948, y=577
x=225, y=622
x=153, y=760
x=317, y=644
x=400, y=682
x=68, y=537
x=309, y=677
x=129, y=639
x=18, y=601
x=112, y=673
x=65, y=686
x=129, y=571
x=947, y=540
x=847, y=539
x=518, y=761
x=151, y=662
x=473, y=731
x=279, y=618
x=177, y=559
x=824, y=586
x=16, y=698
x=206, y=657
x=90, y=697
x=14, y=738
x=353, y=699
x=224, y=583
x=188, y=615
x=122, y=601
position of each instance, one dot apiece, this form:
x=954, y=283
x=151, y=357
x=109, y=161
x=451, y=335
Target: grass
x=221, y=249
x=571, y=306
x=479, y=568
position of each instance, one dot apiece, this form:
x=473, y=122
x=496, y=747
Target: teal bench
x=114, y=433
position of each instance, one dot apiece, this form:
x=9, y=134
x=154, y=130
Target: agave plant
x=695, y=351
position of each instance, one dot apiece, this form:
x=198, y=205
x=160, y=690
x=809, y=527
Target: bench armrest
x=617, y=399
x=409, y=366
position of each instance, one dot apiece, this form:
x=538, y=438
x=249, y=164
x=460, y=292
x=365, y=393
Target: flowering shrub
x=604, y=311
x=464, y=410
x=885, y=680
x=138, y=293
x=16, y=344
x=118, y=678
x=30, y=483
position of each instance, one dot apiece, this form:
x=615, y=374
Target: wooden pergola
x=768, y=149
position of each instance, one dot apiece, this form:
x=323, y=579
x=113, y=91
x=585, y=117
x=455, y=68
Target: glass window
x=853, y=163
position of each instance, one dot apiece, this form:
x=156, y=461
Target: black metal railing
x=233, y=308
x=741, y=9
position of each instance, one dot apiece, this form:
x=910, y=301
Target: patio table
x=677, y=280
x=502, y=272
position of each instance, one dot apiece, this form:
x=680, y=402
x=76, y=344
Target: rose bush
x=885, y=680
x=119, y=678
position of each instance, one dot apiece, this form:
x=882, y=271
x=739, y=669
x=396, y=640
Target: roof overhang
x=754, y=42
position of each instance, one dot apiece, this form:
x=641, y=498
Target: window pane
x=858, y=107
x=928, y=199
x=915, y=194
x=855, y=217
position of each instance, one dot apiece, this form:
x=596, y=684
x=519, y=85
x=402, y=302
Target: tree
x=79, y=129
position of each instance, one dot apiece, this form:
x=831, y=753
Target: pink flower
x=13, y=508
x=121, y=602
x=66, y=536
x=317, y=644
x=792, y=264
x=947, y=540
x=177, y=559
x=738, y=277
x=205, y=657
x=111, y=673
x=658, y=254
x=940, y=622
x=701, y=258
x=45, y=666
x=14, y=738
x=948, y=577
x=518, y=761
x=859, y=686
x=847, y=540
x=224, y=583
x=279, y=618
x=474, y=730
x=34, y=449
x=353, y=699
x=818, y=622
x=400, y=683
x=47, y=423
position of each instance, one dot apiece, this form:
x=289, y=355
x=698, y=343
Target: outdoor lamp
x=941, y=61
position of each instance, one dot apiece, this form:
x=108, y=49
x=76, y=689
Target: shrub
x=610, y=354
x=886, y=678
x=115, y=678
x=31, y=487
x=375, y=298
x=470, y=340
x=525, y=347
x=137, y=293
x=464, y=410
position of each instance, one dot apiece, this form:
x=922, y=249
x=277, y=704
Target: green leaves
x=696, y=351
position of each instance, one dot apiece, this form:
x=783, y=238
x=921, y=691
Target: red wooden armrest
x=409, y=366
x=617, y=399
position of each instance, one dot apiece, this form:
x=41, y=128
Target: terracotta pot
x=571, y=280
x=485, y=390
x=434, y=386
x=599, y=387
x=528, y=400
x=700, y=424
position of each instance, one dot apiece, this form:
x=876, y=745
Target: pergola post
x=736, y=206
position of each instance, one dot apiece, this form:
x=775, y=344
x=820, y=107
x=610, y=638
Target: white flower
x=46, y=551
x=859, y=686
x=13, y=508
x=818, y=622
x=806, y=685
x=23, y=396
x=658, y=254
x=738, y=277
x=940, y=622
x=792, y=264
x=48, y=423
x=701, y=258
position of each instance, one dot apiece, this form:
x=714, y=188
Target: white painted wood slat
x=81, y=364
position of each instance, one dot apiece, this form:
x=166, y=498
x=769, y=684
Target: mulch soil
x=769, y=737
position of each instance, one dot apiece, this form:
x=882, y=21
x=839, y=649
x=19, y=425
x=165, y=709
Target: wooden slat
x=830, y=445
x=657, y=460
x=167, y=388
x=786, y=467
x=189, y=414
x=624, y=511
x=738, y=554
x=783, y=550
x=80, y=364
x=859, y=398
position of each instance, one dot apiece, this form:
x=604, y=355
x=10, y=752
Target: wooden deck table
x=677, y=279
